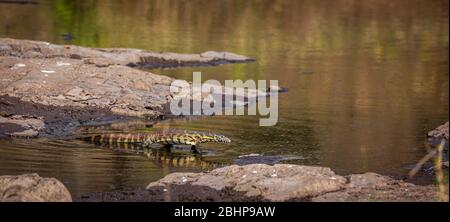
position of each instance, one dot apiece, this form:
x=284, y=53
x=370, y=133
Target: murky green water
x=366, y=79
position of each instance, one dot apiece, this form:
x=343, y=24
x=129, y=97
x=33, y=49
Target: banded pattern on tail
x=168, y=138
x=112, y=138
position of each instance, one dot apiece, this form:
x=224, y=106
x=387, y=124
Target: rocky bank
x=280, y=182
x=254, y=182
x=48, y=89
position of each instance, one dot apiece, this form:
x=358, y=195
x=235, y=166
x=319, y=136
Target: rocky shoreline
x=48, y=89
x=254, y=182
x=279, y=183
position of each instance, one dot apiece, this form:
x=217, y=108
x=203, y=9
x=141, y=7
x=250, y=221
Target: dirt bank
x=65, y=86
x=281, y=182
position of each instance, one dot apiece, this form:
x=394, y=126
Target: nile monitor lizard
x=167, y=139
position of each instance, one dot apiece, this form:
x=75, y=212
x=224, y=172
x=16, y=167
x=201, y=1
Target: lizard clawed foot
x=168, y=147
x=195, y=149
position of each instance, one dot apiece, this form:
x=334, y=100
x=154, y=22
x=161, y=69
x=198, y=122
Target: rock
x=114, y=56
x=367, y=180
x=59, y=63
x=18, y=65
x=276, y=89
x=32, y=188
x=264, y=159
x=17, y=116
x=60, y=77
x=99, y=62
x=226, y=56
x=25, y=133
x=29, y=126
x=249, y=155
x=374, y=187
x=48, y=71
x=281, y=182
x=78, y=94
x=441, y=132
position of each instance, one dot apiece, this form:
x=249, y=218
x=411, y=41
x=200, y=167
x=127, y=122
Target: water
x=366, y=79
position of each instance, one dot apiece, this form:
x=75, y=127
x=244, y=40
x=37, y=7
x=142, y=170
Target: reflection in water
x=84, y=167
x=366, y=79
x=176, y=158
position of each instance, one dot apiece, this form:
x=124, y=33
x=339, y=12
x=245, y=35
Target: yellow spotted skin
x=167, y=138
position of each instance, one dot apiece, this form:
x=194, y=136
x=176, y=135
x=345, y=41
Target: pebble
x=18, y=65
x=47, y=71
x=249, y=155
x=63, y=64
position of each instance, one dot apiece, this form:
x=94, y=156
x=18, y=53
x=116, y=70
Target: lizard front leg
x=168, y=147
x=195, y=149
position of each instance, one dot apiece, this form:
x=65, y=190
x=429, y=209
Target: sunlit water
x=366, y=79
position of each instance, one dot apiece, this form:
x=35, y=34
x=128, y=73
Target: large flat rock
x=280, y=182
x=68, y=77
x=115, y=56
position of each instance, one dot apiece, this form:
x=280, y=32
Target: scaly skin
x=163, y=157
x=167, y=139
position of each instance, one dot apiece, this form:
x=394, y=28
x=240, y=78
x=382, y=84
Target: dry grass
x=436, y=154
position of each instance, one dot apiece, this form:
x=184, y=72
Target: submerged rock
x=264, y=159
x=32, y=188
